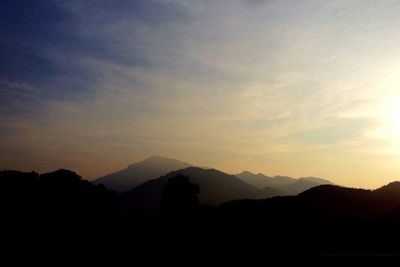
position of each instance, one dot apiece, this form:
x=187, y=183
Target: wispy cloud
x=291, y=86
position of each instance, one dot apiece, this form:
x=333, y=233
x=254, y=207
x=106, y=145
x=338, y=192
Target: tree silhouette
x=180, y=196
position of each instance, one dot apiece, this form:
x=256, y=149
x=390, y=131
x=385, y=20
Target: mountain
x=258, y=180
x=216, y=187
x=287, y=185
x=279, y=181
x=326, y=219
x=317, y=180
x=324, y=201
x=303, y=184
x=140, y=172
x=61, y=194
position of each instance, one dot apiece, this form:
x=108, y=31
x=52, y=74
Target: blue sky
x=279, y=87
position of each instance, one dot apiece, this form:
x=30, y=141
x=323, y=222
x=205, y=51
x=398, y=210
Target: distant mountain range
x=141, y=183
x=287, y=185
x=157, y=166
x=140, y=172
x=216, y=187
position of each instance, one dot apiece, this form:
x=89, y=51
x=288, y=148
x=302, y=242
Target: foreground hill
x=326, y=219
x=303, y=184
x=286, y=184
x=140, y=172
x=61, y=209
x=61, y=194
x=216, y=187
x=326, y=201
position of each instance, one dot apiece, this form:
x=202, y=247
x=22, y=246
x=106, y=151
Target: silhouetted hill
x=325, y=201
x=389, y=189
x=317, y=180
x=326, y=219
x=17, y=191
x=216, y=187
x=61, y=195
x=286, y=185
x=303, y=184
x=140, y=172
x=60, y=209
x=49, y=214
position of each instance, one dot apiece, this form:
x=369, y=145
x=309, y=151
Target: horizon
x=212, y=168
x=304, y=88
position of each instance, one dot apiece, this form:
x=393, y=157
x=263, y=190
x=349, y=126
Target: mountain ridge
x=140, y=172
x=288, y=185
x=216, y=187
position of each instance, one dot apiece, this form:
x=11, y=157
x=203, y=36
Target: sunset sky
x=299, y=88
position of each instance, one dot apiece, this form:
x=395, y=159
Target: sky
x=299, y=88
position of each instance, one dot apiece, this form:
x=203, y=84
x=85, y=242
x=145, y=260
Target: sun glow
x=389, y=129
x=387, y=112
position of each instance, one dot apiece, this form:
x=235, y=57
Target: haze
x=295, y=88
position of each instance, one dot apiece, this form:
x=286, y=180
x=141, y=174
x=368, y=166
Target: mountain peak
x=246, y=173
x=155, y=159
x=139, y=172
x=216, y=187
